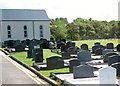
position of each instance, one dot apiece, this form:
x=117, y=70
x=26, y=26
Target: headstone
x=110, y=46
x=97, y=47
x=55, y=62
x=84, y=47
x=98, y=51
x=118, y=47
x=38, y=55
x=107, y=75
x=28, y=42
x=20, y=48
x=64, y=48
x=83, y=71
x=44, y=43
x=65, y=55
x=113, y=59
x=72, y=44
x=73, y=63
x=84, y=56
x=30, y=48
x=106, y=56
x=9, y=43
x=117, y=66
x=105, y=51
x=51, y=45
x=72, y=50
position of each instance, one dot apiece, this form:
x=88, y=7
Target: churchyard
x=78, y=62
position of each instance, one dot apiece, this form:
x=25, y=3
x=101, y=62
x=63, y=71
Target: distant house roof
x=23, y=14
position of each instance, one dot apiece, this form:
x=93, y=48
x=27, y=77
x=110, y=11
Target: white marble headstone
x=107, y=75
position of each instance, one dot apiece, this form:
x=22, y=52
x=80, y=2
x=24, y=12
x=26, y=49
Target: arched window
x=25, y=31
x=41, y=31
x=41, y=27
x=9, y=31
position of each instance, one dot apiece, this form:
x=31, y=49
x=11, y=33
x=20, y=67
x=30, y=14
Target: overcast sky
x=71, y=9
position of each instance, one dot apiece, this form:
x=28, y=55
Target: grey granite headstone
x=113, y=59
x=73, y=63
x=55, y=62
x=110, y=46
x=84, y=56
x=84, y=47
x=105, y=51
x=106, y=56
x=83, y=71
x=117, y=66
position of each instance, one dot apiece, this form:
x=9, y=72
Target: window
x=9, y=31
x=25, y=31
x=41, y=27
x=41, y=31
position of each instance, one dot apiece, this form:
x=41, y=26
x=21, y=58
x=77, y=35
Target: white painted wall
x=0, y=34
x=17, y=30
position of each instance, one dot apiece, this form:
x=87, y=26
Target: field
x=47, y=53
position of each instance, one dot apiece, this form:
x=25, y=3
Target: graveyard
x=87, y=61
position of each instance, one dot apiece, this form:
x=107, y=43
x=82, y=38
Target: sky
x=70, y=9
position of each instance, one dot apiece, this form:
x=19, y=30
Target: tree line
x=83, y=29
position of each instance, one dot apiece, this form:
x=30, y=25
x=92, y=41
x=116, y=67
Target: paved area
x=13, y=73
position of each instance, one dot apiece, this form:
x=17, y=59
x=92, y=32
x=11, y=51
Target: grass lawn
x=47, y=53
x=22, y=57
x=91, y=42
x=47, y=72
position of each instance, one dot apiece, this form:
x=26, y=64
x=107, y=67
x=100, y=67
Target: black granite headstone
x=106, y=56
x=84, y=47
x=73, y=63
x=118, y=47
x=55, y=62
x=117, y=66
x=113, y=59
x=110, y=46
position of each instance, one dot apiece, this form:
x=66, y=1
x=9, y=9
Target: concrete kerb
x=50, y=81
x=5, y=52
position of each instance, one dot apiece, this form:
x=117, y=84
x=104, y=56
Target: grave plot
x=105, y=75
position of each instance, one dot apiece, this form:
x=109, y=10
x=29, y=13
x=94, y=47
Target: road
x=13, y=73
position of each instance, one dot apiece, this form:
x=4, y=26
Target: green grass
x=22, y=57
x=102, y=41
x=47, y=72
x=47, y=53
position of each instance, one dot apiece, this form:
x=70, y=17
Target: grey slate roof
x=23, y=14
